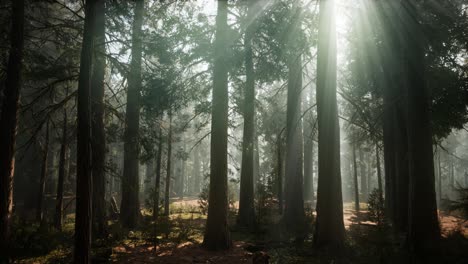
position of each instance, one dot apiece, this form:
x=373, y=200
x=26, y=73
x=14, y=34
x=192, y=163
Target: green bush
x=376, y=207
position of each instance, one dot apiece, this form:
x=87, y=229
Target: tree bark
x=356, y=185
x=42, y=180
x=362, y=165
x=130, y=204
x=168, y=167
x=329, y=228
x=217, y=234
x=196, y=170
x=294, y=216
x=246, y=217
x=58, y=218
x=308, y=139
x=98, y=142
x=423, y=227
x=83, y=163
x=8, y=121
x=379, y=171
x=279, y=172
x=157, y=183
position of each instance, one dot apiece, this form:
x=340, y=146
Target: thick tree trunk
x=423, y=227
x=168, y=168
x=98, y=143
x=294, y=216
x=157, y=181
x=58, y=218
x=329, y=228
x=130, y=205
x=246, y=217
x=217, y=234
x=83, y=156
x=356, y=185
x=8, y=121
x=42, y=180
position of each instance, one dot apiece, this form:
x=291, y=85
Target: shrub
x=376, y=207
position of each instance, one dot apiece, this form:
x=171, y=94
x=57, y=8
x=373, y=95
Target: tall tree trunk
x=157, y=181
x=439, y=177
x=42, y=180
x=8, y=121
x=196, y=170
x=130, y=205
x=83, y=156
x=182, y=172
x=217, y=234
x=279, y=173
x=308, y=139
x=362, y=165
x=294, y=216
x=379, y=171
x=329, y=228
x=168, y=167
x=246, y=217
x=58, y=218
x=356, y=185
x=98, y=142
x=423, y=227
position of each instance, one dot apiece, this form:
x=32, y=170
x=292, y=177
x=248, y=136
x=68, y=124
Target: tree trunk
x=356, y=188
x=439, y=177
x=362, y=165
x=423, y=227
x=217, y=234
x=308, y=139
x=329, y=228
x=58, y=218
x=130, y=204
x=279, y=173
x=157, y=181
x=294, y=217
x=8, y=121
x=246, y=217
x=168, y=167
x=196, y=170
x=83, y=157
x=379, y=171
x=98, y=142
x=42, y=181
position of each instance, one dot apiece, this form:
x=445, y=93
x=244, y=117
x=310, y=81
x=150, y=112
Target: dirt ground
x=189, y=252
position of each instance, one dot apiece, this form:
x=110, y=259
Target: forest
x=234, y=131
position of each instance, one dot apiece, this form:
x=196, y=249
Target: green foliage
x=376, y=207
x=461, y=204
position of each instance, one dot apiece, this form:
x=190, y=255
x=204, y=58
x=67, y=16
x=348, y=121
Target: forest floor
x=177, y=240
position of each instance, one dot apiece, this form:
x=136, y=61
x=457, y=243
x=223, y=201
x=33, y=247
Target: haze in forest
x=234, y=131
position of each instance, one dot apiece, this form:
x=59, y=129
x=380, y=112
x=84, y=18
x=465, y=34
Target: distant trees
x=217, y=234
x=130, y=206
x=329, y=227
x=9, y=120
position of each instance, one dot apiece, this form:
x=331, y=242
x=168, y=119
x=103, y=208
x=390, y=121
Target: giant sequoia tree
x=246, y=215
x=98, y=143
x=217, y=233
x=83, y=161
x=130, y=206
x=423, y=223
x=329, y=228
x=8, y=120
